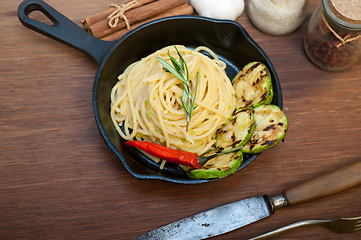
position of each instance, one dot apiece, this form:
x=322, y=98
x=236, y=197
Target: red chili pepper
x=175, y=156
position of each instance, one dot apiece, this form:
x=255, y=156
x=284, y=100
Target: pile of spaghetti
x=146, y=102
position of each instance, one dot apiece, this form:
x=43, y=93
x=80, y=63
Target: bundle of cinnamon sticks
x=112, y=23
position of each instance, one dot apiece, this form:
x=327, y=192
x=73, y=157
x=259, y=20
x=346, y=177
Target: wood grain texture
x=59, y=181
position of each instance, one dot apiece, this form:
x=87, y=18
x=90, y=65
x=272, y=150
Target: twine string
x=118, y=13
x=344, y=40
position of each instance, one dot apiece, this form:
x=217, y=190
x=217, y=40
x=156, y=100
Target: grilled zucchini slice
x=253, y=86
x=236, y=132
x=271, y=127
x=218, y=167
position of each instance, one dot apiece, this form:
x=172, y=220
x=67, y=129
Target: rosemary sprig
x=180, y=70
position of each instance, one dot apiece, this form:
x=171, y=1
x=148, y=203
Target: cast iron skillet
x=227, y=39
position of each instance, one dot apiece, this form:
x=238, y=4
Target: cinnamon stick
x=184, y=9
x=102, y=29
x=88, y=21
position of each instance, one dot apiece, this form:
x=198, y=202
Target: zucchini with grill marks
x=218, y=167
x=271, y=127
x=253, y=86
x=236, y=132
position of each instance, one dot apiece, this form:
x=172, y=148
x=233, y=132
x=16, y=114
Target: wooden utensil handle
x=325, y=185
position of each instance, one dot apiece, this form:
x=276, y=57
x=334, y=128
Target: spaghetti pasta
x=146, y=102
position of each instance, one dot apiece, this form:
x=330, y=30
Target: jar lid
x=345, y=13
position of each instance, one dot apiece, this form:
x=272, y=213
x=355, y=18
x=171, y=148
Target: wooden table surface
x=58, y=180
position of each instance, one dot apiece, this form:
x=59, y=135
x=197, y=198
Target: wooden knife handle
x=325, y=185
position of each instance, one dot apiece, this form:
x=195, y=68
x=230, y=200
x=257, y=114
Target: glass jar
x=333, y=38
x=277, y=17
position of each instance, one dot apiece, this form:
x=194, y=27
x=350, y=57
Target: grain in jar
x=277, y=17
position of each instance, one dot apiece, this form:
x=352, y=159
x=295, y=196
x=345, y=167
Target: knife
x=238, y=214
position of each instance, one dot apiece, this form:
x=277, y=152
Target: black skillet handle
x=62, y=29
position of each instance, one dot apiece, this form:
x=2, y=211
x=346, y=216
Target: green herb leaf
x=169, y=68
x=180, y=71
x=182, y=62
x=195, y=94
x=177, y=66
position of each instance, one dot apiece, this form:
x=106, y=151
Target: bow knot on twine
x=119, y=11
x=344, y=40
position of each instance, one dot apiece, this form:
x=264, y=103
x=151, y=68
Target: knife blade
x=234, y=215
x=215, y=221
